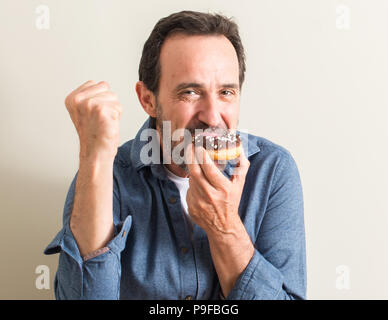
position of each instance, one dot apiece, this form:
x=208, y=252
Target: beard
x=193, y=128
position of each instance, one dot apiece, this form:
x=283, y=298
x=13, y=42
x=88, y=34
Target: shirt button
x=184, y=250
x=172, y=200
x=189, y=298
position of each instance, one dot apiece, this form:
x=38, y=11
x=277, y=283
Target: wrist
x=235, y=241
x=102, y=158
x=231, y=254
x=96, y=171
x=228, y=236
x=97, y=156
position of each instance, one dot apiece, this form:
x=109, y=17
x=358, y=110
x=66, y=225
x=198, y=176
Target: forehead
x=198, y=58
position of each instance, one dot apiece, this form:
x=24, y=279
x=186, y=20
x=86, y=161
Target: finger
x=210, y=170
x=195, y=172
x=76, y=91
x=191, y=161
x=93, y=90
x=188, y=156
x=106, y=96
x=85, y=85
x=201, y=188
x=113, y=106
x=197, y=180
x=241, y=168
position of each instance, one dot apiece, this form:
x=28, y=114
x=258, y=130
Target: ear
x=146, y=98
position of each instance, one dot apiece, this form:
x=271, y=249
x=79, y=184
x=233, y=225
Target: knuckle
x=223, y=192
x=104, y=84
x=201, y=206
x=119, y=108
x=114, y=96
x=115, y=114
x=77, y=98
x=208, y=193
x=194, y=173
x=89, y=103
x=67, y=101
x=99, y=111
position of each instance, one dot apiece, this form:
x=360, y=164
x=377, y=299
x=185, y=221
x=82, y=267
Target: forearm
x=97, y=277
x=92, y=218
x=231, y=254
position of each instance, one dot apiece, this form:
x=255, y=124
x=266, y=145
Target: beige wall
x=316, y=84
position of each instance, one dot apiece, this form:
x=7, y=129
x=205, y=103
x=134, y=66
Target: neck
x=177, y=170
x=174, y=168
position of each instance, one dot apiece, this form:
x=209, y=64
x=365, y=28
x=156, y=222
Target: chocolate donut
x=224, y=147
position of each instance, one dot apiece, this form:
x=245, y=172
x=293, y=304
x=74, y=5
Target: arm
x=95, y=112
x=96, y=277
x=89, y=264
x=92, y=219
x=231, y=254
x=274, y=266
x=213, y=202
x=277, y=269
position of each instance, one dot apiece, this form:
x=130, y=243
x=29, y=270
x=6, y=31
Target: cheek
x=183, y=114
x=230, y=116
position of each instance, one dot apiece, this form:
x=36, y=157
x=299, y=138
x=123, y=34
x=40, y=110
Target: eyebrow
x=186, y=85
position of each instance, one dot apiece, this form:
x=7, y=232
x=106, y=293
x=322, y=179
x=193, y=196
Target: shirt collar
x=138, y=144
x=248, y=142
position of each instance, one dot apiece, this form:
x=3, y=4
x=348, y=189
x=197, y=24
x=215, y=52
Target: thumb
x=241, y=169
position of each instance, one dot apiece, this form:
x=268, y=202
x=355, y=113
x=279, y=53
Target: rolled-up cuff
x=259, y=281
x=65, y=241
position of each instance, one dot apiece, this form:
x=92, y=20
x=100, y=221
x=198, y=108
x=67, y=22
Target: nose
x=210, y=113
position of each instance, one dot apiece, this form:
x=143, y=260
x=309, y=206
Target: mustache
x=217, y=130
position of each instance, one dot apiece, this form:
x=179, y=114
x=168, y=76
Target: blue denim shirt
x=153, y=256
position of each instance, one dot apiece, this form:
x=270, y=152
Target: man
x=135, y=229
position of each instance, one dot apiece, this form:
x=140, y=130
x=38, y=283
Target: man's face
x=199, y=83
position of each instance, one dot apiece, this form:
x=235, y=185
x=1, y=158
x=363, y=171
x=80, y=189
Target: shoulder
x=271, y=157
x=267, y=148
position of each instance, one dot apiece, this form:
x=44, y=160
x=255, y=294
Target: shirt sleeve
x=97, y=275
x=277, y=269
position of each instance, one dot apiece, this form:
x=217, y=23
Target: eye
x=189, y=92
x=227, y=92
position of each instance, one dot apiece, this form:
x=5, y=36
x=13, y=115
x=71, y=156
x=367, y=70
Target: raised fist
x=95, y=112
